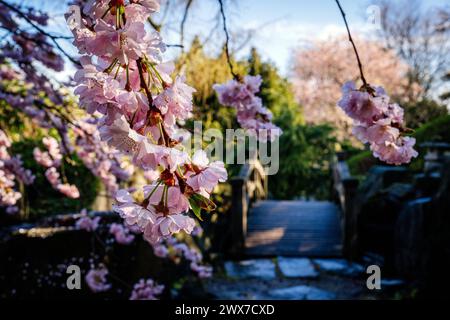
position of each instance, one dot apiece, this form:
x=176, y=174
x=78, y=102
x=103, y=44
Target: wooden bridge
x=262, y=227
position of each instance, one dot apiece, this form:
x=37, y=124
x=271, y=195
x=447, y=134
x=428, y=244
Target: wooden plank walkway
x=293, y=228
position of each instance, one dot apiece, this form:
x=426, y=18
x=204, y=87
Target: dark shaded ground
x=299, y=279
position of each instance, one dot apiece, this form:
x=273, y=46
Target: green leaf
x=204, y=202
x=195, y=208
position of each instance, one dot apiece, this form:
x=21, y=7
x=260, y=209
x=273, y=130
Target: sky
x=276, y=27
x=280, y=26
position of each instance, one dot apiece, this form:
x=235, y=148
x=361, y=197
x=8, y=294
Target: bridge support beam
x=239, y=211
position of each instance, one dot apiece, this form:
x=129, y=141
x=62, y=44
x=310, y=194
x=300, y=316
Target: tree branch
x=52, y=37
x=183, y=21
x=353, y=44
x=227, y=40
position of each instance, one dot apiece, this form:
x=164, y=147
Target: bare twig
x=227, y=40
x=183, y=21
x=155, y=26
x=174, y=46
x=353, y=44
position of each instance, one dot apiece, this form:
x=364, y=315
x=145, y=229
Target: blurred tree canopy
x=423, y=111
x=305, y=150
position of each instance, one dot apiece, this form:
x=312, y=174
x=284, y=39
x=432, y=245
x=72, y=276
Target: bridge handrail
x=249, y=186
x=345, y=187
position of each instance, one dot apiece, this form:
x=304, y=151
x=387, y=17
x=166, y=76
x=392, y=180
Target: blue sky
x=277, y=27
x=281, y=26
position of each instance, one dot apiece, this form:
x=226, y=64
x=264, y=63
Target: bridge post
x=345, y=187
x=349, y=221
x=239, y=210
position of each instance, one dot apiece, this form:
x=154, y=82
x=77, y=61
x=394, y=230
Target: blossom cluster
x=51, y=159
x=28, y=45
x=96, y=279
x=121, y=233
x=28, y=57
x=76, y=136
x=11, y=170
x=146, y=290
x=173, y=249
x=124, y=81
x=87, y=223
x=378, y=122
x=110, y=166
x=251, y=114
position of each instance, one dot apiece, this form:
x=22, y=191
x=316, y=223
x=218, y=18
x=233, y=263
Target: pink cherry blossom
x=195, y=258
x=378, y=122
x=69, y=190
x=151, y=175
x=377, y=133
x=238, y=94
x=96, y=280
x=52, y=176
x=132, y=212
x=397, y=152
x=43, y=158
x=165, y=226
x=119, y=135
x=160, y=250
x=146, y=290
x=53, y=149
x=15, y=165
x=251, y=114
x=8, y=194
x=12, y=210
x=50, y=158
x=362, y=105
x=87, y=223
x=4, y=140
x=151, y=5
x=209, y=175
x=121, y=234
x=96, y=88
x=130, y=101
x=202, y=271
x=124, y=82
x=176, y=100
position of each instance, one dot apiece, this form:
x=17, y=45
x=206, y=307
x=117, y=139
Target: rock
x=301, y=293
x=297, y=268
x=339, y=266
x=259, y=268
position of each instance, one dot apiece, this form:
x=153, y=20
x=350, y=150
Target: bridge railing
x=249, y=186
x=345, y=187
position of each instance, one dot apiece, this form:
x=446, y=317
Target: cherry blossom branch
x=144, y=84
x=227, y=40
x=353, y=44
x=52, y=37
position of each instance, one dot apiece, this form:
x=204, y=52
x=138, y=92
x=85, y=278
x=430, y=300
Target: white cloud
x=277, y=40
